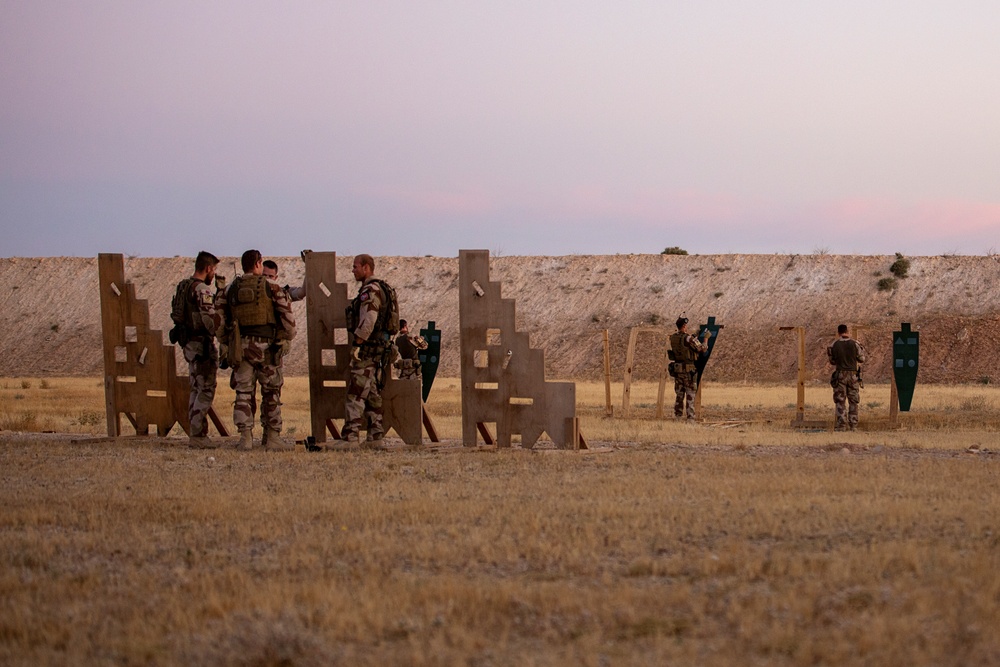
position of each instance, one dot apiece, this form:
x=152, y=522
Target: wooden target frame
x=140, y=371
x=329, y=358
x=503, y=377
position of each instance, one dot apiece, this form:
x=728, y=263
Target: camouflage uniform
x=686, y=378
x=407, y=347
x=846, y=354
x=201, y=355
x=364, y=398
x=262, y=362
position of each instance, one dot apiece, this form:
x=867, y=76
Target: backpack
x=180, y=313
x=388, y=316
x=180, y=305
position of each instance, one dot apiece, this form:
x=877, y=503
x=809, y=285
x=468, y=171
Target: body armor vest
x=251, y=305
x=682, y=353
x=845, y=354
x=407, y=350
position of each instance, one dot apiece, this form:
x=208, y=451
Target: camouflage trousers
x=202, y=371
x=363, y=401
x=408, y=369
x=846, y=397
x=685, y=388
x=257, y=367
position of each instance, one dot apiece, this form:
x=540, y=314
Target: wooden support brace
x=432, y=433
x=218, y=422
x=485, y=432
x=333, y=429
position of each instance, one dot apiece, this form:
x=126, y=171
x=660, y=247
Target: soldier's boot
x=246, y=440
x=374, y=441
x=201, y=442
x=348, y=443
x=275, y=443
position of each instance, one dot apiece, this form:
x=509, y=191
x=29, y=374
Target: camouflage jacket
x=371, y=299
x=204, y=311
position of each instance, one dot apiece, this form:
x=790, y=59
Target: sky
x=522, y=127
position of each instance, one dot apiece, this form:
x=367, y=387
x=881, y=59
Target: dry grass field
x=741, y=541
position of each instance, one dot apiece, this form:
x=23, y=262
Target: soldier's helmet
x=681, y=321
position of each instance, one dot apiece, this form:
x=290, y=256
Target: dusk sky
x=527, y=128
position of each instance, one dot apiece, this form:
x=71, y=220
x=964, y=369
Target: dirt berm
x=52, y=319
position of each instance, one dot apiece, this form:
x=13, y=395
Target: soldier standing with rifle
x=847, y=355
x=684, y=351
x=408, y=348
x=195, y=324
x=370, y=330
x=259, y=327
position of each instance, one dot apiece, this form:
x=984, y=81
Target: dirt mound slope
x=53, y=324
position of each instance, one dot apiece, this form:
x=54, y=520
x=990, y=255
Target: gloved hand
x=220, y=282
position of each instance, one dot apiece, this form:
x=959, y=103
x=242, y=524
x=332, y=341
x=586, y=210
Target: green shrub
x=900, y=267
x=674, y=250
x=887, y=284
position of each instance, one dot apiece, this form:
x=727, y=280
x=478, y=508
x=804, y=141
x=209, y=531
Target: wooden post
x=664, y=374
x=627, y=382
x=610, y=411
x=800, y=404
x=697, y=403
x=893, y=402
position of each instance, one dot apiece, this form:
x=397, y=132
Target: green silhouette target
x=429, y=358
x=905, y=361
x=702, y=359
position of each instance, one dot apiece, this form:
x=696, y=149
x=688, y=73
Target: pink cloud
x=931, y=218
x=450, y=203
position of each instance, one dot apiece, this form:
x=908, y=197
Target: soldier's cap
x=681, y=321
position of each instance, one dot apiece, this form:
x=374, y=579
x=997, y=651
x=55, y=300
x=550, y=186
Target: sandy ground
x=565, y=303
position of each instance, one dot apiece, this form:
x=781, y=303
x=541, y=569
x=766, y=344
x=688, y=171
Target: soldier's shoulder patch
x=364, y=295
x=205, y=296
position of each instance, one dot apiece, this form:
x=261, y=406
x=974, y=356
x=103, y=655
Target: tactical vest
x=407, y=350
x=682, y=353
x=250, y=303
x=845, y=354
x=387, y=322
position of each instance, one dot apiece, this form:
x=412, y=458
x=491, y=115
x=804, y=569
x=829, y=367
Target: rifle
x=861, y=380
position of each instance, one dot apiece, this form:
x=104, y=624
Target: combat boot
x=274, y=443
x=246, y=440
x=374, y=442
x=201, y=442
x=346, y=445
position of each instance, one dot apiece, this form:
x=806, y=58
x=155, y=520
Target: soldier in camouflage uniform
x=407, y=348
x=295, y=293
x=259, y=327
x=685, y=348
x=847, y=355
x=200, y=321
x=370, y=349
